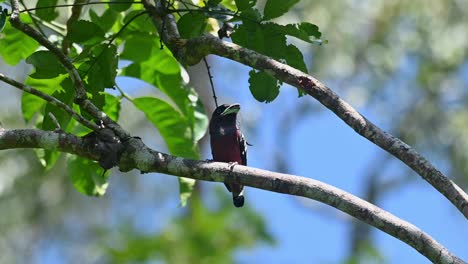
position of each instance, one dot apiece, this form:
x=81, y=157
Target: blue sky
x=324, y=148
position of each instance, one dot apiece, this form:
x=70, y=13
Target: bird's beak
x=232, y=109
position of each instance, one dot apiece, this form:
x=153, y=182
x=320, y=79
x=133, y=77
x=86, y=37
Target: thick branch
x=137, y=156
x=49, y=140
x=51, y=100
x=80, y=98
x=195, y=49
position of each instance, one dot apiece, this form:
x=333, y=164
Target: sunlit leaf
x=87, y=176
x=170, y=123
x=175, y=130
x=112, y=106
x=14, y=45
x=31, y=104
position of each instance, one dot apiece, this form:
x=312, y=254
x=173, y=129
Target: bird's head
x=226, y=110
x=224, y=118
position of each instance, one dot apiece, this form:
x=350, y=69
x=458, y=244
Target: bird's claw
x=232, y=164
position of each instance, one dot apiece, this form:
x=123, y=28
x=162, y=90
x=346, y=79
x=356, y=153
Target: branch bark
x=138, y=156
x=193, y=50
x=51, y=100
x=81, y=97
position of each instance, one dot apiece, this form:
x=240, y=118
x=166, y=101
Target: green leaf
x=245, y=4
x=112, y=106
x=49, y=159
x=87, y=176
x=301, y=31
x=46, y=65
x=139, y=24
x=31, y=104
x=83, y=31
x=276, y=8
x=200, y=119
x=263, y=87
x=14, y=45
x=229, y=4
x=66, y=96
x=192, y=25
x=295, y=59
x=249, y=35
x=103, y=67
x=175, y=130
x=162, y=70
x=106, y=20
x=185, y=189
x=120, y=5
x=173, y=127
x=3, y=16
x=138, y=48
x=47, y=14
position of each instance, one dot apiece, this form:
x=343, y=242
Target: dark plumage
x=228, y=144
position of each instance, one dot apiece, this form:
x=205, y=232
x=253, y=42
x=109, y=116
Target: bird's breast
x=225, y=148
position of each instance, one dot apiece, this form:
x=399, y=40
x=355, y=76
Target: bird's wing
x=243, y=149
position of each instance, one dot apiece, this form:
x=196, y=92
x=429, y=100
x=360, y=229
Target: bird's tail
x=238, y=198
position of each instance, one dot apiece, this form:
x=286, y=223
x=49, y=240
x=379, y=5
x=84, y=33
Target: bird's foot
x=232, y=164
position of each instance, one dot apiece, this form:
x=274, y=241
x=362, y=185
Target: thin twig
x=52, y=100
x=80, y=4
x=34, y=19
x=80, y=97
x=54, y=120
x=210, y=77
x=113, y=38
x=123, y=94
x=74, y=75
x=201, y=10
x=208, y=44
x=193, y=50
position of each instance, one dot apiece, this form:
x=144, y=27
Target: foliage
x=116, y=40
x=201, y=235
x=181, y=119
x=257, y=32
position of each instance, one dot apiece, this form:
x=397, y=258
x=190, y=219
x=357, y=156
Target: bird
x=228, y=144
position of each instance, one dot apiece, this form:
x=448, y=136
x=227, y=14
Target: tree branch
x=138, y=156
x=49, y=140
x=51, y=100
x=81, y=97
x=191, y=51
